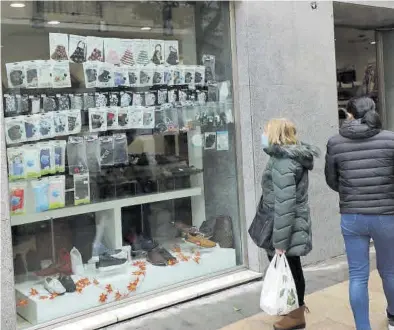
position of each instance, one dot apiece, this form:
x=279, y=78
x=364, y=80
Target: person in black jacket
x=360, y=167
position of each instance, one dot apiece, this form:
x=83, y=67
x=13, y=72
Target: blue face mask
x=264, y=140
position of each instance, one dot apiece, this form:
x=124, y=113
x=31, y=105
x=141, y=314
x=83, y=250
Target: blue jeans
x=357, y=230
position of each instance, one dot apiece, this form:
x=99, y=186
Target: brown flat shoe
x=200, y=241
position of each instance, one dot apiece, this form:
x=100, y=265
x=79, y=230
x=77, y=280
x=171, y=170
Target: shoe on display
x=100, y=248
x=52, y=285
x=156, y=258
x=108, y=263
x=186, y=228
x=166, y=255
x=140, y=243
x=62, y=267
x=67, y=283
x=200, y=241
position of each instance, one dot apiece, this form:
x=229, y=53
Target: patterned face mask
x=79, y=53
x=172, y=58
x=60, y=53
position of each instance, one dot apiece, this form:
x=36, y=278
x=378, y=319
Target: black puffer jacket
x=360, y=166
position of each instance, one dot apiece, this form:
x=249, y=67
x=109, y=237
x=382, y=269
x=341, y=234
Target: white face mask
x=264, y=140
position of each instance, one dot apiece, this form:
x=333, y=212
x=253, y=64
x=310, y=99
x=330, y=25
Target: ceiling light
x=146, y=28
x=17, y=5
x=373, y=42
x=53, y=22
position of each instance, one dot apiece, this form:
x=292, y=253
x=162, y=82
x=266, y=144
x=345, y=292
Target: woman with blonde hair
x=282, y=224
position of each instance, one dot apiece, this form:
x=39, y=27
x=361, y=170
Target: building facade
x=181, y=95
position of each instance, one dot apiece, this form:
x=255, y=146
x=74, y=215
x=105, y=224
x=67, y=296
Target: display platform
x=95, y=287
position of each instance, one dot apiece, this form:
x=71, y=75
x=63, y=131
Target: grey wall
x=286, y=68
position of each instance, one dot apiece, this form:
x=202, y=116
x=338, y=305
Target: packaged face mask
x=123, y=118
x=56, y=191
x=32, y=71
x=15, y=129
x=138, y=99
x=156, y=54
x=114, y=99
x=46, y=125
x=17, y=197
x=76, y=155
x=32, y=127
x=95, y=49
x=90, y=73
x=134, y=76
x=92, y=144
x=171, y=52
x=74, y=121
x=127, y=52
x=202, y=97
x=150, y=98
x=63, y=102
x=76, y=101
x=105, y=75
x=77, y=48
x=142, y=49
x=136, y=116
x=88, y=101
x=178, y=75
x=172, y=95
x=112, y=118
x=44, y=74
x=97, y=119
x=146, y=74
x=162, y=96
x=190, y=73
x=16, y=167
x=81, y=189
x=199, y=75
x=183, y=95
x=41, y=194
x=61, y=74
x=125, y=99
x=209, y=63
x=9, y=105
x=112, y=50
x=22, y=104
x=16, y=75
x=120, y=149
x=47, y=158
x=59, y=148
x=106, y=150
x=101, y=100
x=158, y=75
x=48, y=103
x=168, y=77
x=148, y=120
x=35, y=102
x=121, y=76
x=58, y=46
x=31, y=158
x=60, y=121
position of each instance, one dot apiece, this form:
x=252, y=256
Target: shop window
x=120, y=145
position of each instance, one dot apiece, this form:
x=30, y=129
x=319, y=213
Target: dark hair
x=364, y=108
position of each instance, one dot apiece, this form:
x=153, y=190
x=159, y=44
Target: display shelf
x=104, y=206
x=37, y=310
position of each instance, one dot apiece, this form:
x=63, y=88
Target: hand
x=280, y=252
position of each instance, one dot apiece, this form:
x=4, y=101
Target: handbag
x=79, y=53
x=279, y=293
x=262, y=227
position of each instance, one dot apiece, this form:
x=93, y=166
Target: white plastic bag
x=279, y=294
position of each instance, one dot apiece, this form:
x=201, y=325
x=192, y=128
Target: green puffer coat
x=285, y=198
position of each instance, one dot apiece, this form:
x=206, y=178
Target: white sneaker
x=53, y=285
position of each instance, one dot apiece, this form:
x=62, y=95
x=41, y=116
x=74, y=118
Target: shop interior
x=135, y=191
x=364, y=40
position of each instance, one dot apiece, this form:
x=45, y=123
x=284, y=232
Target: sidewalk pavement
x=329, y=309
x=238, y=308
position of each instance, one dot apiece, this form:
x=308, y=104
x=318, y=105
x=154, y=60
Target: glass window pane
x=121, y=150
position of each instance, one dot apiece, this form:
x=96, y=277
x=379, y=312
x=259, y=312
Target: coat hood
x=354, y=129
x=303, y=153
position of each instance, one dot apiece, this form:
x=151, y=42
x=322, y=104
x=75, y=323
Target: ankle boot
x=295, y=320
